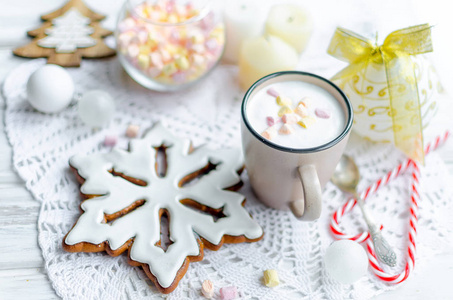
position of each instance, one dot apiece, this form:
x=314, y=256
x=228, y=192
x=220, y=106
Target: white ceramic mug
x=286, y=178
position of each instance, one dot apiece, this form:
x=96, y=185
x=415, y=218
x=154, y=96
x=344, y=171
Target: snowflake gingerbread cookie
x=130, y=194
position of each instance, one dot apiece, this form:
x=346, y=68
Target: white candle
x=291, y=23
x=264, y=55
x=243, y=19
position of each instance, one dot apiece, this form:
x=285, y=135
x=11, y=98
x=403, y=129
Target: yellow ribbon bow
x=395, y=53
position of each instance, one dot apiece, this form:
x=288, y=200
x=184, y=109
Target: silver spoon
x=346, y=177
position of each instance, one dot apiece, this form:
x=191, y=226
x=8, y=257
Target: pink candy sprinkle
x=228, y=293
x=323, y=113
x=270, y=121
x=272, y=92
x=110, y=140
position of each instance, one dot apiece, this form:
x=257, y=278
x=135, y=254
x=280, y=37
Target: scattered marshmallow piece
x=306, y=101
x=269, y=133
x=142, y=36
x=198, y=60
x=290, y=118
x=182, y=63
x=132, y=131
x=166, y=57
x=154, y=72
x=172, y=18
x=271, y=278
x=199, y=48
x=110, y=140
x=284, y=101
x=124, y=40
x=196, y=37
x=323, y=113
x=211, y=44
x=307, y=121
x=272, y=92
x=143, y=61
x=126, y=24
x=228, y=293
x=270, y=121
x=207, y=289
x=179, y=77
x=286, y=129
x=133, y=50
x=156, y=60
x=181, y=10
x=301, y=110
x=284, y=110
x=169, y=69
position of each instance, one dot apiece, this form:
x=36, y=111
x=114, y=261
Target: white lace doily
x=209, y=113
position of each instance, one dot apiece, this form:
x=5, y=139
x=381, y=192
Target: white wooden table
x=22, y=272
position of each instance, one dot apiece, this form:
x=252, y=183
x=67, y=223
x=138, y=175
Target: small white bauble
x=50, y=89
x=346, y=261
x=96, y=108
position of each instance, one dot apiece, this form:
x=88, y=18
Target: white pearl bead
x=346, y=261
x=50, y=89
x=96, y=108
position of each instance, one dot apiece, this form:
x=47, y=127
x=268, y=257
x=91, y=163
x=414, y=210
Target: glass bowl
x=167, y=45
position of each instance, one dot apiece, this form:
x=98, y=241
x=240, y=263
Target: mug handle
x=308, y=208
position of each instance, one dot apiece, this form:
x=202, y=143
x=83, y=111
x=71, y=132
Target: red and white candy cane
x=415, y=197
x=378, y=271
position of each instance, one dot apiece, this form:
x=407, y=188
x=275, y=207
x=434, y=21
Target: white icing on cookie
x=69, y=32
x=160, y=193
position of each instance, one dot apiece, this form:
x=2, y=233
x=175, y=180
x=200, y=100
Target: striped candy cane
x=415, y=197
x=378, y=271
x=349, y=205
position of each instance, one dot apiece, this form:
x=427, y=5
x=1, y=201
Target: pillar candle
x=243, y=19
x=291, y=23
x=263, y=55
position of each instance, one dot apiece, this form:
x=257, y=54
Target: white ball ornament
x=50, y=89
x=96, y=108
x=346, y=261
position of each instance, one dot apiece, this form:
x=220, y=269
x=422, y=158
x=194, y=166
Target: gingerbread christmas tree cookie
x=160, y=179
x=68, y=34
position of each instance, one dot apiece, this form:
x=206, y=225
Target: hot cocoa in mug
x=295, y=126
